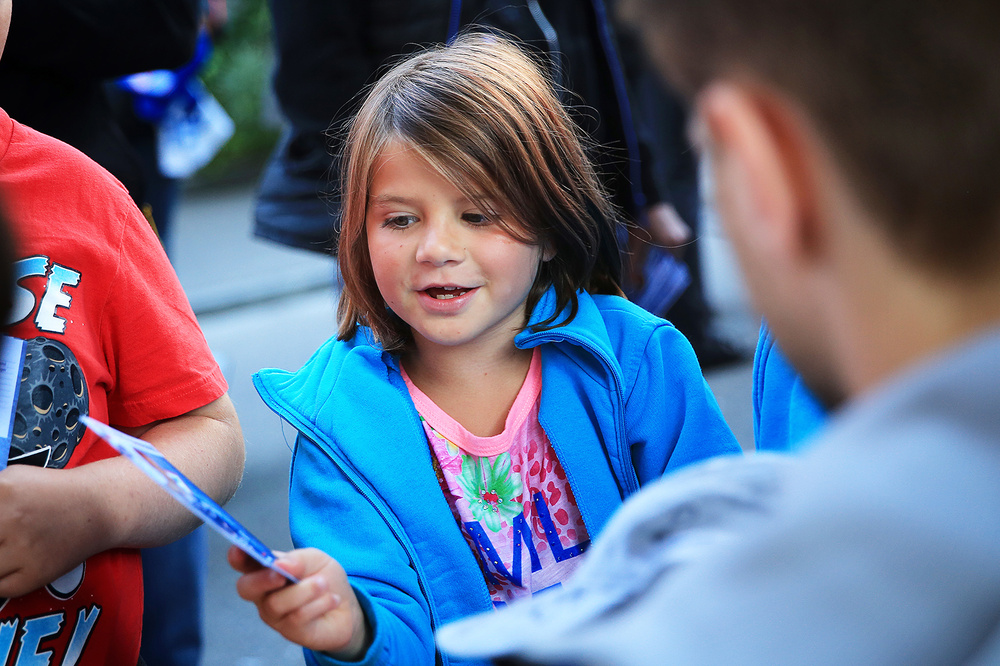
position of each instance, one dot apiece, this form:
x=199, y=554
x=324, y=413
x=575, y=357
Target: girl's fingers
x=254, y=586
x=241, y=561
x=291, y=599
x=314, y=609
x=291, y=563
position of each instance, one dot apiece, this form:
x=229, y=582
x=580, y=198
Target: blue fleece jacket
x=623, y=400
x=785, y=412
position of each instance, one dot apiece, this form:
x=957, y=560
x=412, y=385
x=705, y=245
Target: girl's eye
x=475, y=218
x=399, y=221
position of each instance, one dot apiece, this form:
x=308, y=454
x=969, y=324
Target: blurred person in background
x=826, y=125
x=172, y=123
x=60, y=54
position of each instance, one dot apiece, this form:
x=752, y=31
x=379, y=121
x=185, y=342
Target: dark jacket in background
x=59, y=53
x=329, y=51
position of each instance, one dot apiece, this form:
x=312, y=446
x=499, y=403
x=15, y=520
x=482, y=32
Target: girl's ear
x=547, y=252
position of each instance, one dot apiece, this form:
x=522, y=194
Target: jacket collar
x=587, y=328
x=303, y=391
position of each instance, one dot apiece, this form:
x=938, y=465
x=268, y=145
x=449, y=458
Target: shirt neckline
x=456, y=433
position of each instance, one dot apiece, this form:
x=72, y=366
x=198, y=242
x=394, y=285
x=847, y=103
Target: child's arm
x=326, y=511
x=53, y=519
x=320, y=612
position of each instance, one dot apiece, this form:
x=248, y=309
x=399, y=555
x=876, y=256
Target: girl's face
x=457, y=279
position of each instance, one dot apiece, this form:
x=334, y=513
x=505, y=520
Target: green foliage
x=239, y=76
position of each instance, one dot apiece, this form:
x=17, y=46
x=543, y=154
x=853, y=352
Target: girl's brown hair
x=483, y=114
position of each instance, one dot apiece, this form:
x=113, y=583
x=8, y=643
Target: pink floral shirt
x=509, y=493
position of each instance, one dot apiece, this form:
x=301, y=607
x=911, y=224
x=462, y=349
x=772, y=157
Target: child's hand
x=50, y=522
x=320, y=612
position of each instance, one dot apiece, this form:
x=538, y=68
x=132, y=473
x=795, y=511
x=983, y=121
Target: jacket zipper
x=629, y=480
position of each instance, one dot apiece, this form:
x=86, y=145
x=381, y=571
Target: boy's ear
x=5, y=11
x=760, y=155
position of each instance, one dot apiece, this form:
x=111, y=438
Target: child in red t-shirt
x=107, y=332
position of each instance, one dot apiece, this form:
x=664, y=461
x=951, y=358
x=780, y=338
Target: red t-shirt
x=109, y=333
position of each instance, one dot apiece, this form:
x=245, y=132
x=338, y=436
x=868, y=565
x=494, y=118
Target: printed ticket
x=149, y=459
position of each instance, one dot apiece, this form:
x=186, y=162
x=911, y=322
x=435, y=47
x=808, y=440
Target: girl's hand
x=320, y=612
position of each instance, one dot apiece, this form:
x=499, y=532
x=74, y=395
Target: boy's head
x=838, y=129
x=904, y=92
x=485, y=116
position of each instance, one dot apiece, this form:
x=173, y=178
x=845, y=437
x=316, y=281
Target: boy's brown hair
x=485, y=116
x=905, y=92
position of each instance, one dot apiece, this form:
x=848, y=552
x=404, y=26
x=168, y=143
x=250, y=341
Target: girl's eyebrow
x=391, y=199
x=408, y=201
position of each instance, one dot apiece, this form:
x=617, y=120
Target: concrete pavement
x=260, y=305
x=264, y=305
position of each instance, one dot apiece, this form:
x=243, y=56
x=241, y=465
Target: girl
x=489, y=401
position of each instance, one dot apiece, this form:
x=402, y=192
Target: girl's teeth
x=445, y=293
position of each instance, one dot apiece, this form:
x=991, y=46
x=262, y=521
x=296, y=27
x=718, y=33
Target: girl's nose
x=440, y=243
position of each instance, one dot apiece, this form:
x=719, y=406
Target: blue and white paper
x=11, y=365
x=665, y=279
x=149, y=459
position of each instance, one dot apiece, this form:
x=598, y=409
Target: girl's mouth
x=446, y=293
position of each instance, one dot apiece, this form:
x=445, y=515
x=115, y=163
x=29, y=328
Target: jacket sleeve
x=671, y=415
x=785, y=412
x=329, y=512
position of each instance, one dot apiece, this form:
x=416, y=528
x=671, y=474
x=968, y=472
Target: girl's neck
x=476, y=387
